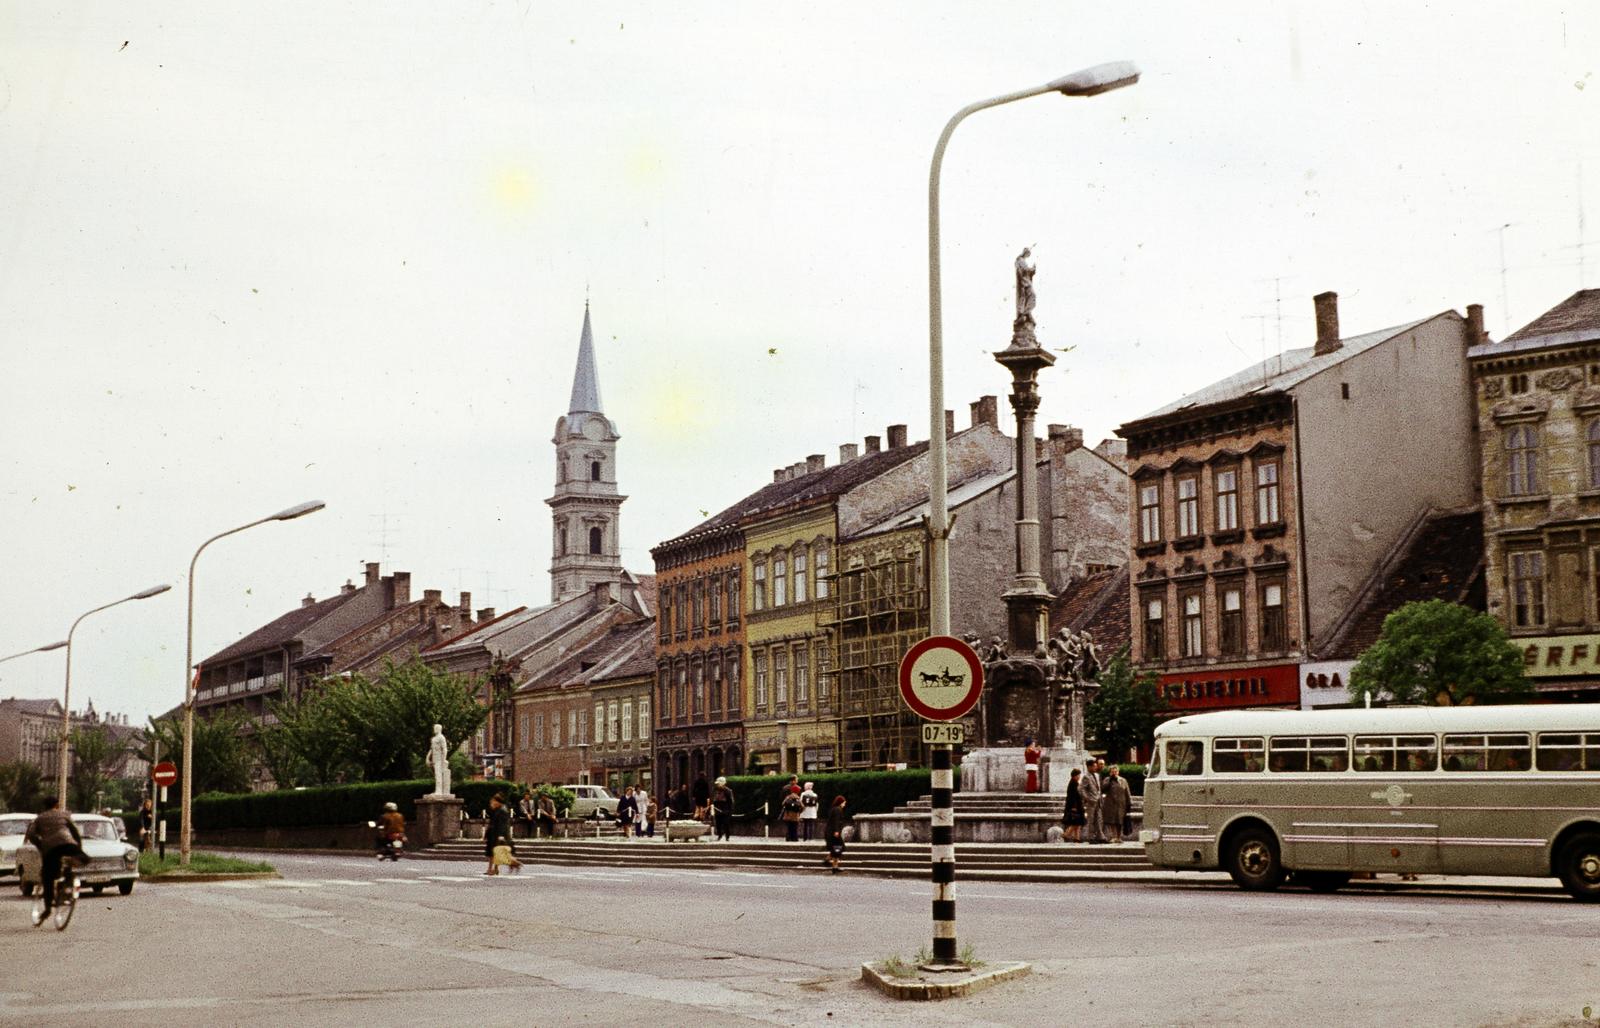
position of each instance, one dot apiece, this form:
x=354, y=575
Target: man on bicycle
x=55, y=836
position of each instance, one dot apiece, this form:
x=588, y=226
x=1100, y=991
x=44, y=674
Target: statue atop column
x=1022, y=329
x=439, y=760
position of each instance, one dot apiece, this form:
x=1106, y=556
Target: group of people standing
x=1099, y=804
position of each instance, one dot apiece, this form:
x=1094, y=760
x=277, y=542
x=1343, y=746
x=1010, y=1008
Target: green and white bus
x=1320, y=794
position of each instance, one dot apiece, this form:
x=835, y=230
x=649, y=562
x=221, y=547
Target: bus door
x=1183, y=797
x=1395, y=819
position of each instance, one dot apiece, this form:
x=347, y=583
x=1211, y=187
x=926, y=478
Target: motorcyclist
x=55, y=836
x=391, y=826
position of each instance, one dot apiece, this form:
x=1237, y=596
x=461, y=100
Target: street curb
x=949, y=985
x=233, y=876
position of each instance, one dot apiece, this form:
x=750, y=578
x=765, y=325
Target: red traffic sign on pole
x=941, y=678
x=164, y=774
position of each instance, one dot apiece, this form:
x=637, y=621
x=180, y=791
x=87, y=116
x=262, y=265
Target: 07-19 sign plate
x=941, y=678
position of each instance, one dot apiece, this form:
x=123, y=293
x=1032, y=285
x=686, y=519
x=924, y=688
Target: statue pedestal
x=438, y=820
x=999, y=769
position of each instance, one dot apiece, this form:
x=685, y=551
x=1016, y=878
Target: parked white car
x=590, y=800
x=111, y=860
x=12, y=829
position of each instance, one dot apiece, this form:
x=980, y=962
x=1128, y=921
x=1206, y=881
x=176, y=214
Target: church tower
x=586, y=507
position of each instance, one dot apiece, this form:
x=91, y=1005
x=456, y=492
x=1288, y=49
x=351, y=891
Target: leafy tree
x=389, y=719
x=21, y=786
x=1125, y=712
x=310, y=744
x=95, y=751
x=221, y=755
x=1441, y=653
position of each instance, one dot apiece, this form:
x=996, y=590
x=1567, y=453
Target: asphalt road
x=342, y=940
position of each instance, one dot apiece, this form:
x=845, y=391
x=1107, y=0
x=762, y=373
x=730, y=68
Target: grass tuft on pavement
x=152, y=866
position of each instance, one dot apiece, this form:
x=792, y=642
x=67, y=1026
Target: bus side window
x=1492, y=753
x=1237, y=755
x=1183, y=757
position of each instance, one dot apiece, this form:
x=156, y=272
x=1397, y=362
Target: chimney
x=372, y=572
x=308, y=601
x=466, y=608
x=872, y=444
x=1475, y=332
x=795, y=470
x=847, y=452
x=1064, y=439
x=949, y=423
x=348, y=587
x=985, y=412
x=897, y=436
x=815, y=462
x=1327, y=322
x=399, y=589
x=432, y=597
x=777, y=474
x=486, y=614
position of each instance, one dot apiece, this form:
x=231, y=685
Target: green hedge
x=866, y=792
x=327, y=805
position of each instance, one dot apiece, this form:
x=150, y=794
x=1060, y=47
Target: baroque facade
x=1538, y=415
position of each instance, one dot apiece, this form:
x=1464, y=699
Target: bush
x=326, y=805
x=866, y=792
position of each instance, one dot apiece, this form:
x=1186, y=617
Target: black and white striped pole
x=941, y=679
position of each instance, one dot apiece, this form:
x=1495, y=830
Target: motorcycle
x=388, y=846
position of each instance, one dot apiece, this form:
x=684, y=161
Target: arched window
x=594, y=540
x=1522, y=460
x=594, y=471
x=561, y=537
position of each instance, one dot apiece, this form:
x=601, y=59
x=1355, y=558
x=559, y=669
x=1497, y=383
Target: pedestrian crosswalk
x=731, y=879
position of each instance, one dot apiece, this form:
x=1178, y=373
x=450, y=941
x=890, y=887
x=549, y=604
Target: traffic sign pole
x=943, y=849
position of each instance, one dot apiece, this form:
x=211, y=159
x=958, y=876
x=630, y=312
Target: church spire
x=585, y=380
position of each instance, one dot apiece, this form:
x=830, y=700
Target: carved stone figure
x=439, y=760
x=996, y=652
x=1022, y=329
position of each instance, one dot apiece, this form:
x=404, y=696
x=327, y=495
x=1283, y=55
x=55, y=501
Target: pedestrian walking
x=650, y=811
x=790, y=812
x=1116, y=803
x=1030, y=766
x=721, y=807
x=1072, y=818
x=627, y=810
x=146, y=824
x=702, y=796
x=834, y=833
x=1089, y=789
x=497, y=837
x=809, y=802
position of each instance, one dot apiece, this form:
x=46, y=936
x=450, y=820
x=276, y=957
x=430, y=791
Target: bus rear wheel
x=1323, y=881
x=1578, y=866
x=1253, y=861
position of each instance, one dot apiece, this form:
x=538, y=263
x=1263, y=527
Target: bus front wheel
x=1253, y=860
x=1579, y=867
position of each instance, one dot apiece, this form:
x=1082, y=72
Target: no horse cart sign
x=941, y=678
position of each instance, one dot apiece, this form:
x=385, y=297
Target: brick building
x=621, y=692
x=1262, y=503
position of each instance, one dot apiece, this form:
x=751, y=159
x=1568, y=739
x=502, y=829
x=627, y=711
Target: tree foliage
x=1441, y=653
x=372, y=728
x=21, y=786
x=221, y=755
x=1125, y=712
x=96, y=751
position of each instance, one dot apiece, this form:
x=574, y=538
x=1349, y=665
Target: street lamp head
x=1102, y=78
x=154, y=590
x=51, y=646
x=298, y=510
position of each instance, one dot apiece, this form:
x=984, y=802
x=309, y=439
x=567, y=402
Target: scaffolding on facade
x=879, y=610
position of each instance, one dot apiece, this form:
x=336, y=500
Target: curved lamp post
x=37, y=649
x=289, y=514
x=1089, y=82
x=1101, y=78
x=66, y=692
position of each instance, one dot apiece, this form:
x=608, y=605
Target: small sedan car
x=592, y=801
x=12, y=828
x=111, y=860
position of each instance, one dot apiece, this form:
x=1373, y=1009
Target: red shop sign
x=1275, y=686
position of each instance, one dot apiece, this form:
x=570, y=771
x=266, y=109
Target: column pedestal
x=438, y=820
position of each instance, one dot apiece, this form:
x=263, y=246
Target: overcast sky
x=257, y=254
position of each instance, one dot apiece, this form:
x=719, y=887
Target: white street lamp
x=1101, y=78
x=66, y=692
x=185, y=830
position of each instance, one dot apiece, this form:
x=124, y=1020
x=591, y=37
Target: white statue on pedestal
x=439, y=760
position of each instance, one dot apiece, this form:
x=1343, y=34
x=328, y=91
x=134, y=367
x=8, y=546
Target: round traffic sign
x=940, y=678
x=164, y=773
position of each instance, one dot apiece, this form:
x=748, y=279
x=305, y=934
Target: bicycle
x=67, y=888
